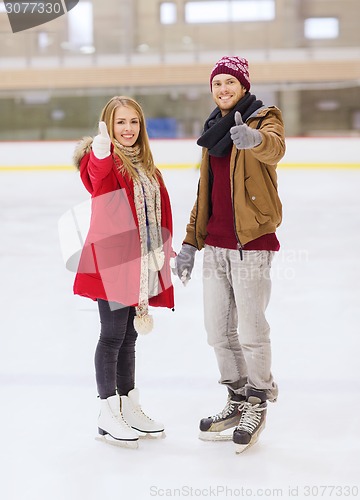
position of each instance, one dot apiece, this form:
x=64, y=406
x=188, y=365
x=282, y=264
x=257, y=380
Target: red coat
x=109, y=266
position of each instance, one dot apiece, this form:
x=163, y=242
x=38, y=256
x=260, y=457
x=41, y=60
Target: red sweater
x=220, y=228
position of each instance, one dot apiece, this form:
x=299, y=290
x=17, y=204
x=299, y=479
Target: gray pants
x=236, y=294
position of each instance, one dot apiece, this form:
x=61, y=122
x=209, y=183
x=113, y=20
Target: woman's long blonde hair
x=145, y=157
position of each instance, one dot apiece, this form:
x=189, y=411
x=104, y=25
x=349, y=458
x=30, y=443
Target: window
x=328, y=105
x=222, y=11
x=168, y=13
x=80, y=27
x=321, y=28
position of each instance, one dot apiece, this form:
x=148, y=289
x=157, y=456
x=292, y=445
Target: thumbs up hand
x=243, y=136
x=238, y=118
x=101, y=142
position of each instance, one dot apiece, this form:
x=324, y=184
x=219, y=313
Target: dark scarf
x=216, y=135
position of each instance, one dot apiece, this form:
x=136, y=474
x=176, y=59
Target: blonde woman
x=124, y=264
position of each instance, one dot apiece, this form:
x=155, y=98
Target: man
x=235, y=217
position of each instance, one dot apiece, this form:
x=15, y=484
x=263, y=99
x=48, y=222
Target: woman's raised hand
x=101, y=142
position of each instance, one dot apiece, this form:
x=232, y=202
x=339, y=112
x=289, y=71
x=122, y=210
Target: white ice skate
x=113, y=429
x=137, y=419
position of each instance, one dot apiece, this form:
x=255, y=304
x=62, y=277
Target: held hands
x=184, y=263
x=243, y=136
x=101, y=142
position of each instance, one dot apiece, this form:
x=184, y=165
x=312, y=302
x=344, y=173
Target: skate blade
x=240, y=448
x=118, y=442
x=150, y=435
x=226, y=435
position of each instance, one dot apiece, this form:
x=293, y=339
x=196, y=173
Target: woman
x=124, y=264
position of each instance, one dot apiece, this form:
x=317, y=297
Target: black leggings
x=115, y=351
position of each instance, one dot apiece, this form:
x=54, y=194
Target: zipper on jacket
x=240, y=248
x=239, y=244
x=196, y=214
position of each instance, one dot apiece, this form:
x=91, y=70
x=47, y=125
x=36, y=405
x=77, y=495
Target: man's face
x=227, y=92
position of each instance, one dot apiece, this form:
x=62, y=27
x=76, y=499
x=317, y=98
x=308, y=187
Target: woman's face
x=126, y=125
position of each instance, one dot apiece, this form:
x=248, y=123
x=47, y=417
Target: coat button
x=253, y=197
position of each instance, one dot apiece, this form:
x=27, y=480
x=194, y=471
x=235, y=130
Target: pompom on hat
x=235, y=66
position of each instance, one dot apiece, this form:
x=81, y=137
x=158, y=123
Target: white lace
x=250, y=417
x=138, y=409
x=229, y=408
x=121, y=420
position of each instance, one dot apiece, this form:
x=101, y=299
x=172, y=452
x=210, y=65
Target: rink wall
x=320, y=152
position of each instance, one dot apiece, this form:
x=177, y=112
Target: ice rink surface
x=49, y=402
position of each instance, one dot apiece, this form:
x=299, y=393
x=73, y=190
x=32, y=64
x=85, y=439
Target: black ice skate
x=252, y=422
x=214, y=428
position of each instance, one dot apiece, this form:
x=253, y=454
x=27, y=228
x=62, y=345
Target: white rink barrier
x=319, y=152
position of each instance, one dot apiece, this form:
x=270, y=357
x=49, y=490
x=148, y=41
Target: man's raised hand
x=243, y=136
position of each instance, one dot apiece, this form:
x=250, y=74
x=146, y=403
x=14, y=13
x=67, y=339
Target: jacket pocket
x=257, y=200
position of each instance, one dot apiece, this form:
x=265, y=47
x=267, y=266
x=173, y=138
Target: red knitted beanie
x=235, y=66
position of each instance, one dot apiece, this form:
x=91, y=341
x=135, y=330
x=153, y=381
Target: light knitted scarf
x=148, y=210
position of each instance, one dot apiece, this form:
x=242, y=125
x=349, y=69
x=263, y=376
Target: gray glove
x=243, y=136
x=184, y=263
